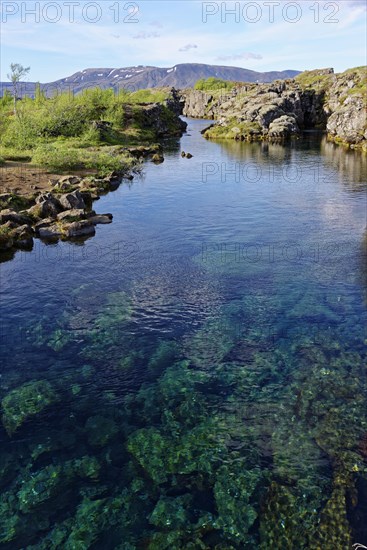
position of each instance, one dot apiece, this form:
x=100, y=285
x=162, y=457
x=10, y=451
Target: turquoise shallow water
x=195, y=375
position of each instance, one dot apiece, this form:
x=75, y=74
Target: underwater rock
x=163, y=357
x=193, y=451
x=10, y=520
x=40, y=487
x=95, y=518
x=287, y=520
x=26, y=401
x=86, y=467
x=233, y=489
x=100, y=430
x=334, y=529
x=101, y=219
x=211, y=344
x=171, y=512
x=149, y=449
x=298, y=460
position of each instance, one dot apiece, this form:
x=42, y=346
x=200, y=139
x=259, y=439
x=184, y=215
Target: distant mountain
x=180, y=76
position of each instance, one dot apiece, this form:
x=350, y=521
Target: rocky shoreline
x=320, y=99
x=65, y=211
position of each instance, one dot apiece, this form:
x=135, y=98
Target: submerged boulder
x=24, y=402
x=101, y=219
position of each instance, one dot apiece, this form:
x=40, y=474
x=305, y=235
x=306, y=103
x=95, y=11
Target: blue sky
x=58, y=38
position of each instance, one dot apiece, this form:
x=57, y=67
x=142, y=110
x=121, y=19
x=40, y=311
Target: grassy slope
x=66, y=132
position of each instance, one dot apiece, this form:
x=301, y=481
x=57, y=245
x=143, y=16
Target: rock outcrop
x=320, y=99
x=55, y=215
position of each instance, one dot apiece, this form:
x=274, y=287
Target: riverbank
x=99, y=138
x=320, y=99
x=36, y=204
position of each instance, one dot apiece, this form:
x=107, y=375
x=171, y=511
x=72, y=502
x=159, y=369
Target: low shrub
x=104, y=163
x=56, y=160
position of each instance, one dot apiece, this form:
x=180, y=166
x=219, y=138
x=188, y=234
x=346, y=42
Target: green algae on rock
x=26, y=401
x=233, y=489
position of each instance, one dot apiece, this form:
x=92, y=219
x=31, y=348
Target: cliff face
x=319, y=99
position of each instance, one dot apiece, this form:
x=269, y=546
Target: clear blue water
x=195, y=375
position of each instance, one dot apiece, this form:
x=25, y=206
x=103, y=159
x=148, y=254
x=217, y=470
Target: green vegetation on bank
x=68, y=132
x=245, y=131
x=213, y=84
x=315, y=80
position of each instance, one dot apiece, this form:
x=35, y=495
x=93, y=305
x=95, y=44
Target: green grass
x=15, y=155
x=311, y=79
x=61, y=158
x=211, y=84
x=148, y=96
x=234, y=130
x=57, y=160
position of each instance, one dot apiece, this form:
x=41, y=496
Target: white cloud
x=188, y=47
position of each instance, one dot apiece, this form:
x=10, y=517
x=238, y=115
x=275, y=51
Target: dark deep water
x=195, y=375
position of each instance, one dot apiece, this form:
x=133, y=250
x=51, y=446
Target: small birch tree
x=17, y=73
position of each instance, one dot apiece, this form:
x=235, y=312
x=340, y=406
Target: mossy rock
x=26, y=401
x=40, y=487
x=171, y=512
x=233, y=490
